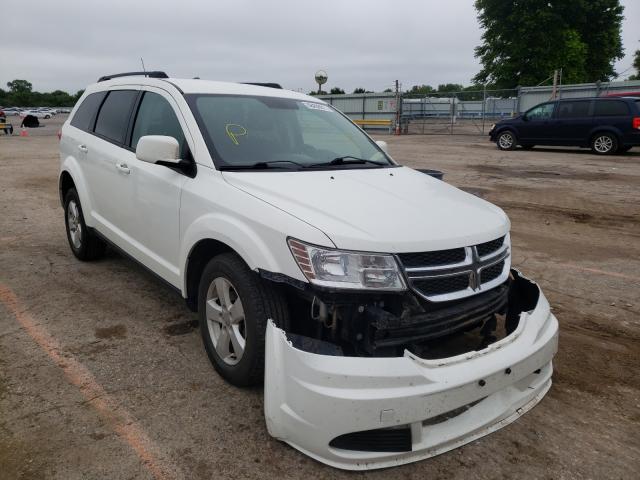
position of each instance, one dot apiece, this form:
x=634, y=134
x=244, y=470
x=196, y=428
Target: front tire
x=84, y=244
x=234, y=305
x=506, y=140
x=604, y=143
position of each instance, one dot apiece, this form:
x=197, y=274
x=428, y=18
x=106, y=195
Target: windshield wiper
x=347, y=160
x=261, y=165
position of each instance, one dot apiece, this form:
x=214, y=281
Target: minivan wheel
x=604, y=143
x=84, y=244
x=506, y=140
x=234, y=305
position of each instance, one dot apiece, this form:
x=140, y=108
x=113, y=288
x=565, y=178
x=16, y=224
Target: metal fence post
x=484, y=104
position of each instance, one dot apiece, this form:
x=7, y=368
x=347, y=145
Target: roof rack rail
x=259, y=84
x=154, y=74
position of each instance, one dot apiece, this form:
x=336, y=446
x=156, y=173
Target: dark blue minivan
x=606, y=125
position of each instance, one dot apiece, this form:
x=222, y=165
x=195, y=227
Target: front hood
x=379, y=209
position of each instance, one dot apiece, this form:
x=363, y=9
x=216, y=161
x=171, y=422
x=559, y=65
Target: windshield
x=267, y=132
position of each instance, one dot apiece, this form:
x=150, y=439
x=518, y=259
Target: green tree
x=20, y=92
x=450, y=87
x=525, y=41
x=337, y=91
x=359, y=90
x=636, y=65
x=387, y=90
x=421, y=90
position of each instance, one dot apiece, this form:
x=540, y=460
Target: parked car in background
x=606, y=125
x=11, y=111
x=36, y=113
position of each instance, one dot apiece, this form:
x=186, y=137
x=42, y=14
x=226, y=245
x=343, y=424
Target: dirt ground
x=103, y=375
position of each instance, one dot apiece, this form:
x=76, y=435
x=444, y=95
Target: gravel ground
x=103, y=375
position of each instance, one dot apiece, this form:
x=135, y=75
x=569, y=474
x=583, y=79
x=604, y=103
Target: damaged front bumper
x=361, y=413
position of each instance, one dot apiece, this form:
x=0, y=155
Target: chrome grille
x=444, y=275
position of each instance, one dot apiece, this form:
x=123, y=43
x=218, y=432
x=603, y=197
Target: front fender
x=259, y=245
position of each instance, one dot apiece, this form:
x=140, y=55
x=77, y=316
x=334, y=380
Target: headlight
x=341, y=269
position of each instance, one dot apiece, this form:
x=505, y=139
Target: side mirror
x=383, y=145
x=525, y=118
x=158, y=148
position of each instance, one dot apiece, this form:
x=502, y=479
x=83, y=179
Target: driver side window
x=156, y=117
x=541, y=112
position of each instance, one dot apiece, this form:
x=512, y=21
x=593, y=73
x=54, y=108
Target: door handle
x=83, y=148
x=123, y=168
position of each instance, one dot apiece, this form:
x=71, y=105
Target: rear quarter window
x=610, y=108
x=113, y=118
x=573, y=109
x=83, y=118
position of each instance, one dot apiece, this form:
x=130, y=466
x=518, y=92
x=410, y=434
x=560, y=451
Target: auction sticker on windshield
x=316, y=106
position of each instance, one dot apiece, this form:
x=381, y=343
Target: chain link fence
x=469, y=112
x=466, y=112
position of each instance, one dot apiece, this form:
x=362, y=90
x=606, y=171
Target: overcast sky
x=69, y=44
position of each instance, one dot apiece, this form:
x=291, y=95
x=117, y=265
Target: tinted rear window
x=608, y=108
x=113, y=117
x=86, y=111
x=573, y=109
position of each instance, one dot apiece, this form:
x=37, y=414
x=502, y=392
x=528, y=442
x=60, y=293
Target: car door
x=572, y=122
x=77, y=146
x=107, y=170
x=156, y=189
x=536, y=126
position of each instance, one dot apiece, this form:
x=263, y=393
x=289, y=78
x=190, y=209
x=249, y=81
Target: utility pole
x=555, y=84
x=397, y=108
x=560, y=84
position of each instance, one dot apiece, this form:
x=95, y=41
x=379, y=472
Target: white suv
x=376, y=302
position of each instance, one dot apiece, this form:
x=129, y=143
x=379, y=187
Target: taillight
x=59, y=135
x=636, y=122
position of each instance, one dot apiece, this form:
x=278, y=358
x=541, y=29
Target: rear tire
x=506, y=140
x=84, y=244
x=234, y=304
x=604, y=143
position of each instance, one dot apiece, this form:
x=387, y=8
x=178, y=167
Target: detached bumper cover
x=406, y=408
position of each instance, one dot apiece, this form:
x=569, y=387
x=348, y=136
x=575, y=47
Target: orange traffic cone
x=24, y=133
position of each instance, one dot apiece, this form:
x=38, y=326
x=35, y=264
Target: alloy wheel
x=603, y=144
x=74, y=224
x=506, y=140
x=226, y=320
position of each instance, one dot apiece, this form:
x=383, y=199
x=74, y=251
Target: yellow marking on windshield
x=234, y=135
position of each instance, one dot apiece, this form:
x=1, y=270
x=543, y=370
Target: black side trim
x=379, y=440
x=282, y=278
x=137, y=262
